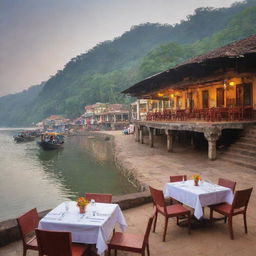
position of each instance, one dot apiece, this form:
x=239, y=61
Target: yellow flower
x=82, y=201
x=196, y=177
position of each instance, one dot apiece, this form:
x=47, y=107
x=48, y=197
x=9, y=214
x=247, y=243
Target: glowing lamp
x=160, y=95
x=231, y=83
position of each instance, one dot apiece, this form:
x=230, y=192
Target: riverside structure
x=207, y=94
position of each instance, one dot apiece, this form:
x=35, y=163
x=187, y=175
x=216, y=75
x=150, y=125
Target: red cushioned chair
x=131, y=242
x=100, y=198
x=169, y=211
x=58, y=243
x=239, y=206
x=227, y=183
x=27, y=224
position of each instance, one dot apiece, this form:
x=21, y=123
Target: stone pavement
x=153, y=166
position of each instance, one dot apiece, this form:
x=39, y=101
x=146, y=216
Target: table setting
x=198, y=194
x=93, y=226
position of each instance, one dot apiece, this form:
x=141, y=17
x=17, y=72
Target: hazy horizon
x=40, y=37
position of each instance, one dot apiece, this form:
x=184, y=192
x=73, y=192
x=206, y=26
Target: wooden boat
x=24, y=137
x=51, y=140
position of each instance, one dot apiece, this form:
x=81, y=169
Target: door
x=220, y=97
x=244, y=95
x=205, y=98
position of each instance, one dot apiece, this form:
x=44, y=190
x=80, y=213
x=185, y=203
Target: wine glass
x=66, y=206
x=93, y=207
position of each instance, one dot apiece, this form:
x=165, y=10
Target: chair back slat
x=28, y=222
x=227, y=183
x=158, y=199
x=241, y=198
x=178, y=178
x=54, y=243
x=100, y=198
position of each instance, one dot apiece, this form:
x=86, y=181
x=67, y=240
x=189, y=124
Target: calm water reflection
x=31, y=177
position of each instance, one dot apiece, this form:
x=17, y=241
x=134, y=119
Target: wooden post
x=136, y=133
x=169, y=140
x=141, y=135
x=151, y=137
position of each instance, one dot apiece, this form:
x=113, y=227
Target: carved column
x=151, y=137
x=169, y=140
x=141, y=135
x=212, y=135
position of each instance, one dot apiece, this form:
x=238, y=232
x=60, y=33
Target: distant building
x=56, y=122
x=107, y=116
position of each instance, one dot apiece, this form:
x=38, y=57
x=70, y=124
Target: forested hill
x=100, y=74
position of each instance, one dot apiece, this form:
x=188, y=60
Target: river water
x=31, y=177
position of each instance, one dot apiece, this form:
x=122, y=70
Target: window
x=205, y=98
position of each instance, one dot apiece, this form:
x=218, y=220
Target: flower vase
x=196, y=182
x=82, y=209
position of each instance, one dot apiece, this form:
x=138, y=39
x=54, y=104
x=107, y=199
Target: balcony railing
x=206, y=114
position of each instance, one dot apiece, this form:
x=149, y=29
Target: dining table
x=197, y=197
x=95, y=226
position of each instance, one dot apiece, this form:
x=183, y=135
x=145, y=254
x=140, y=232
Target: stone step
x=241, y=156
x=242, y=145
x=238, y=162
x=246, y=139
x=242, y=151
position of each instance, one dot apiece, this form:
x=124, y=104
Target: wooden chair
x=227, y=183
x=131, y=242
x=100, y=198
x=239, y=206
x=58, y=243
x=169, y=211
x=27, y=224
x=177, y=178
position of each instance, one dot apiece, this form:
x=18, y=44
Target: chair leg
x=189, y=223
x=24, y=251
x=165, y=228
x=225, y=219
x=148, y=250
x=211, y=215
x=154, y=228
x=230, y=227
x=109, y=251
x=245, y=223
x=115, y=252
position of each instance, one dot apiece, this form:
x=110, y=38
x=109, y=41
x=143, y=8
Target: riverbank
x=153, y=166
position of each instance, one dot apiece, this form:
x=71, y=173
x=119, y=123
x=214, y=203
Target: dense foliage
x=112, y=66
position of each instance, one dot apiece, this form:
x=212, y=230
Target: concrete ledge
x=9, y=231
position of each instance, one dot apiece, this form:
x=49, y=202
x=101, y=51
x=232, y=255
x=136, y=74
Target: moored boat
x=51, y=140
x=24, y=136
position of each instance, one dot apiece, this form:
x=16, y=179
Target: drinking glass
x=66, y=206
x=183, y=179
x=93, y=207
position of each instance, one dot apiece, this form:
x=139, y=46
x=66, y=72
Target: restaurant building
x=207, y=94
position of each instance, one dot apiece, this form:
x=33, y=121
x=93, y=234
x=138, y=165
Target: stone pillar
x=212, y=135
x=136, y=133
x=141, y=135
x=169, y=140
x=114, y=118
x=138, y=109
x=151, y=136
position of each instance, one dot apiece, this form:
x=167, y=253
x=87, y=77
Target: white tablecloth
x=85, y=228
x=198, y=196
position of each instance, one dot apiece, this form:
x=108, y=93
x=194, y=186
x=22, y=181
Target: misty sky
x=39, y=36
